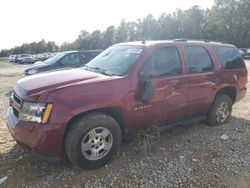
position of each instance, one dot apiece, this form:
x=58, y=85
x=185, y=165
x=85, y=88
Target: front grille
x=17, y=99
x=16, y=103
x=15, y=112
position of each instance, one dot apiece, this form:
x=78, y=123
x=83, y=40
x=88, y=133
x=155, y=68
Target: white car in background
x=25, y=58
x=247, y=54
x=12, y=58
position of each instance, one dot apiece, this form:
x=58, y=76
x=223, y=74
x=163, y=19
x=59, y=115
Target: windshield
x=116, y=60
x=54, y=59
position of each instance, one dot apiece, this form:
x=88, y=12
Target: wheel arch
x=114, y=112
x=230, y=91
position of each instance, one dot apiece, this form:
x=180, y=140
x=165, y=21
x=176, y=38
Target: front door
x=163, y=69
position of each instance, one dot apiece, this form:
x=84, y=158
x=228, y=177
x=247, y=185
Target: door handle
x=213, y=80
x=178, y=85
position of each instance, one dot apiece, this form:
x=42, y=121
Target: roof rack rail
x=201, y=40
x=198, y=40
x=180, y=40
x=186, y=40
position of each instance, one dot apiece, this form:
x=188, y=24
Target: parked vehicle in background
x=16, y=58
x=63, y=60
x=86, y=112
x=49, y=55
x=247, y=54
x=40, y=57
x=12, y=58
x=35, y=57
x=25, y=58
x=242, y=52
x=45, y=56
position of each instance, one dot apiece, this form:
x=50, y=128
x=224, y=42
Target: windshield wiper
x=100, y=70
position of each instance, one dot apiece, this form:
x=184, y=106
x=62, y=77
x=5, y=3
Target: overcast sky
x=26, y=21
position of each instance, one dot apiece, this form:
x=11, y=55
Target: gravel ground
x=190, y=156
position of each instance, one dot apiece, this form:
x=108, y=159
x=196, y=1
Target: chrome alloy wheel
x=222, y=112
x=97, y=143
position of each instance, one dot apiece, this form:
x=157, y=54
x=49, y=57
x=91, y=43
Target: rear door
x=164, y=70
x=201, y=80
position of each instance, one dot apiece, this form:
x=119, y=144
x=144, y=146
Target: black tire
x=219, y=100
x=81, y=129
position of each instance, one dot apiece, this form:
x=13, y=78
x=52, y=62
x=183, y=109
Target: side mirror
x=146, y=88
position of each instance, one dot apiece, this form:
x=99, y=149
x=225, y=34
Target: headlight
x=36, y=112
x=33, y=71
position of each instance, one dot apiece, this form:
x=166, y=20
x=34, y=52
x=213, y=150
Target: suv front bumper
x=42, y=140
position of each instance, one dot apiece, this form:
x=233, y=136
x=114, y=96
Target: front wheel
x=93, y=140
x=220, y=111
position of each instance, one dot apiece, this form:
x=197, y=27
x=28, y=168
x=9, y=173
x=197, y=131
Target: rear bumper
x=45, y=141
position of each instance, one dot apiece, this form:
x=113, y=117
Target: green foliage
x=109, y=37
x=227, y=20
x=32, y=48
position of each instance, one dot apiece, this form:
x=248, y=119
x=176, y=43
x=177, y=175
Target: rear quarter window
x=229, y=57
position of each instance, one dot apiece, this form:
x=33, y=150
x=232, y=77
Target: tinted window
x=230, y=58
x=71, y=59
x=90, y=54
x=199, y=60
x=54, y=59
x=163, y=62
x=83, y=59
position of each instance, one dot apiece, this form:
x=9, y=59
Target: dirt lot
x=191, y=156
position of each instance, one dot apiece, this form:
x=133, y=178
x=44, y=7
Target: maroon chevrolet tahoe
x=87, y=112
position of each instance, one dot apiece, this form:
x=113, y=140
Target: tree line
x=227, y=21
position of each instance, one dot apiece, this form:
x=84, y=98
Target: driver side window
x=71, y=59
x=163, y=62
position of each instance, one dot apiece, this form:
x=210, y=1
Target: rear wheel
x=220, y=111
x=93, y=140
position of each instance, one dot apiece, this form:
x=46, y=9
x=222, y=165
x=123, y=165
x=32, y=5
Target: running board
x=181, y=123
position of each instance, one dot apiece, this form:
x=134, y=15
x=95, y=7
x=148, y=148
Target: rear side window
x=90, y=54
x=199, y=60
x=163, y=62
x=230, y=58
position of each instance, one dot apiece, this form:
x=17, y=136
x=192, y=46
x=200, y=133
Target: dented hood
x=58, y=79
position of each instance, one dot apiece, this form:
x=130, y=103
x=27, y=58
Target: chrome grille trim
x=17, y=100
x=15, y=112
